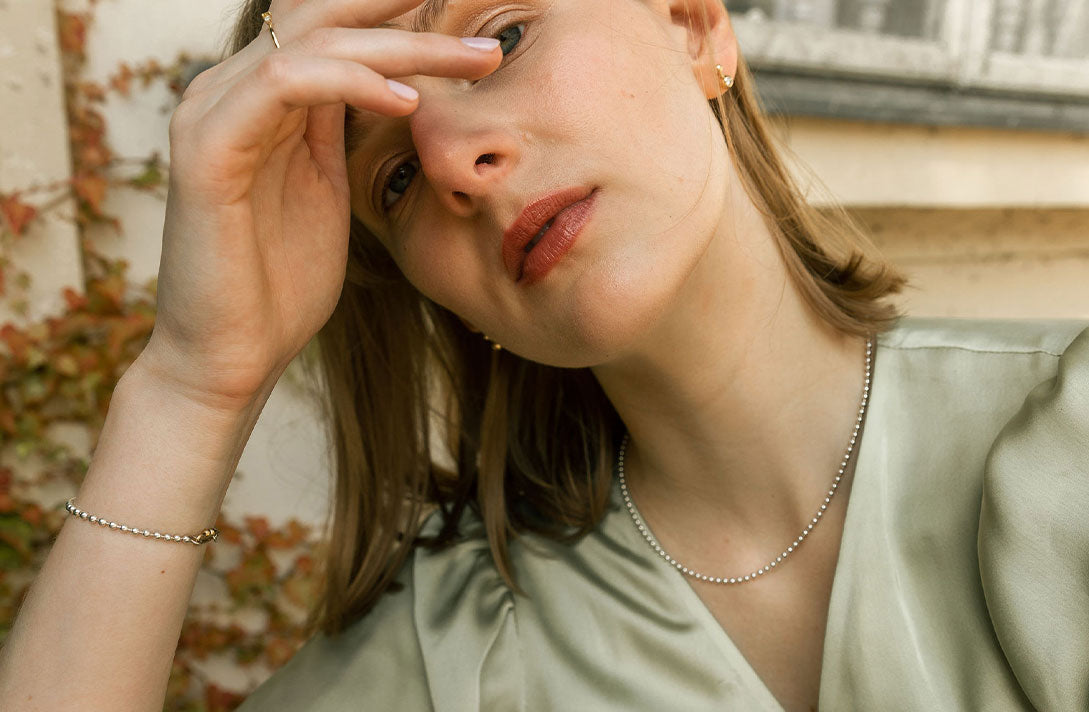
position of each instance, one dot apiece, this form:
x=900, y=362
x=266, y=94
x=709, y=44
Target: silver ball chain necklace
x=645, y=530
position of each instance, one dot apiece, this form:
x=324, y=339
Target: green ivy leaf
x=35, y=388
x=17, y=534
x=35, y=357
x=150, y=178
x=10, y=559
x=24, y=449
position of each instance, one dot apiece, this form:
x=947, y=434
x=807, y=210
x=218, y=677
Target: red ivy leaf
x=87, y=132
x=92, y=91
x=122, y=81
x=74, y=299
x=301, y=588
x=295, y=534
x=91, y=188
x=7, y=422
x=72, y=29
x=17, y=341
x=228, y=533
x=32, y=515
x=16, y=213
x=110, y=291
x=150, y=70
x=258, y=527
x=127, y=329
x=305, y=563
x=219, y=700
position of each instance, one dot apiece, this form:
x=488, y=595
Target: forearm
x=100, y=624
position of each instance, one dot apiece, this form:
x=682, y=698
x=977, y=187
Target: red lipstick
x=544, y=232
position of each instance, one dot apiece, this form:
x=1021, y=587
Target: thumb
x=325, y=137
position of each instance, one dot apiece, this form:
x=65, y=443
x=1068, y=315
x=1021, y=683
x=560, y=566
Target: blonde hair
x=532, y=445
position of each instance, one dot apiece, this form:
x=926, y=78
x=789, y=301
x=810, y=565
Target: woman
x=595, y=191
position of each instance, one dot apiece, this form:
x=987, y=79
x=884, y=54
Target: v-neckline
x=706, y=620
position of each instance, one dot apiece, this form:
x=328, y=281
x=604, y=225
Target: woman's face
x=597, y=95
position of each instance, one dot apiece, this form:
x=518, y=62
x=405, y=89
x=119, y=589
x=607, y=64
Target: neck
x=740, y=403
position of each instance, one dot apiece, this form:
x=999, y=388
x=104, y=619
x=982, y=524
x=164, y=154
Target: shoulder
x=945, y=387
x=999, y=336
x=1033, y=540
x=953, y=369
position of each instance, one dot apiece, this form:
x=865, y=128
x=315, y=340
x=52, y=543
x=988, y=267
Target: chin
x=611, y=308
x=612, y=298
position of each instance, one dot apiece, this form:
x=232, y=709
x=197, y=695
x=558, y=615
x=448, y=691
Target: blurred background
x=956, y=131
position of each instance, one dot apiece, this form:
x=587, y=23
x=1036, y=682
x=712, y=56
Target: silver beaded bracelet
x=204, y=537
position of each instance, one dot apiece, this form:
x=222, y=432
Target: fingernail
x=403, y=90
x=485, y=44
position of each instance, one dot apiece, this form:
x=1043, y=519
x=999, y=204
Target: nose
x=466, y=150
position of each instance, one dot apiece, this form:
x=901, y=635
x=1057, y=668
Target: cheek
x=446, y=273
x=615, y=84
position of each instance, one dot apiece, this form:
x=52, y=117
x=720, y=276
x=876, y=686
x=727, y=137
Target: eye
x=510, y=36
x=396, y=184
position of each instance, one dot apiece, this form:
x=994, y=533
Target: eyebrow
x=431, y=12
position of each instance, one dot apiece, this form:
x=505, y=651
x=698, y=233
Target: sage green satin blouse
x=962, y=581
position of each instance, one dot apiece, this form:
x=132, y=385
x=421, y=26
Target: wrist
x=155, y=370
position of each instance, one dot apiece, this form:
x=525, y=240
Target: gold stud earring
x=727, y=80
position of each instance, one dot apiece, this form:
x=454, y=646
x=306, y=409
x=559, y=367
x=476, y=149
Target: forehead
x=422, y=18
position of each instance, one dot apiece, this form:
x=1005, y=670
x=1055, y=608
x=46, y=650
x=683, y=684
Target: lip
x=560, y=236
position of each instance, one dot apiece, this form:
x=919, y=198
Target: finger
x=392, y=53
x=293, y=19
x=325, y=137
x=312, y=14
x=397, y=53
x=251, y=113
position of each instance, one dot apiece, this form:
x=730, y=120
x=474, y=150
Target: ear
x=711, y=41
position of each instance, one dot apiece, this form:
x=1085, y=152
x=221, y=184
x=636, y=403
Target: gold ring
x=267, y=17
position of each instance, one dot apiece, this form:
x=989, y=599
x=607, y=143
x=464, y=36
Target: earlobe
x=711, y=42
x=472, y=327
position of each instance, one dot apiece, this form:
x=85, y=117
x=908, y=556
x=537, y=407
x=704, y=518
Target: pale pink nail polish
x=403, y=90
x=485, y=44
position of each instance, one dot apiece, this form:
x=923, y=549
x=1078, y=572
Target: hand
x=256, y=235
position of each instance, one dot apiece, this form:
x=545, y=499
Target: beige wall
x=1012, y=262
x=34, y=151
x=880, y=164
x=985, y=222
